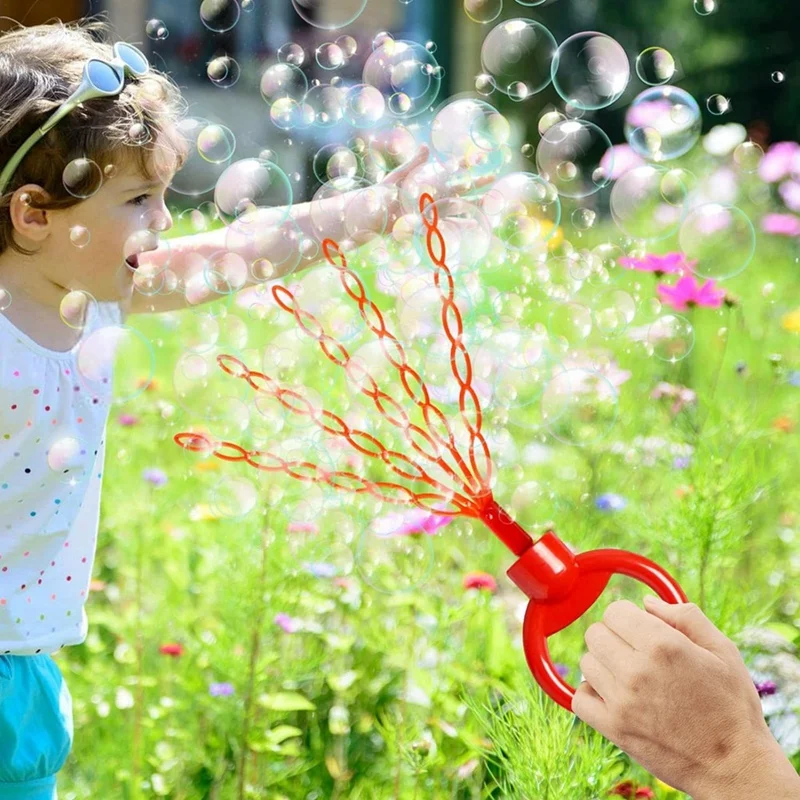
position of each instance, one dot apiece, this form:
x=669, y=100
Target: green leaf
x=286, y=701
x=280, y=733
x=788, y=632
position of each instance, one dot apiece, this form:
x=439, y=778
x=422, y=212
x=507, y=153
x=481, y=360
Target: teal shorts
x=35, y=726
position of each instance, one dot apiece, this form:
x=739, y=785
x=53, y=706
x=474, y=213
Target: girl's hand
x=672, y=691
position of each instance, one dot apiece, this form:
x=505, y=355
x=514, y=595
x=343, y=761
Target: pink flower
x=669, y=263
x=481, y=581
x=681, y=395
x=648, y=114
x=778, y=161
x=687, y=293
x=781, y=224
x=790, y=192
x=303, y=527
x=285, y=622
x=618, y=159
x=173, y=650
x=415, y=521
x=127, y=419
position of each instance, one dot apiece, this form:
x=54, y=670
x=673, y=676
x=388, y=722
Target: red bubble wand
x=560, y=584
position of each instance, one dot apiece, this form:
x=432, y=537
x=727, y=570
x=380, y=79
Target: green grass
x=394, y=687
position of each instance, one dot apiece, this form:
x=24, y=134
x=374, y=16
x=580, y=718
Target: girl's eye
x=136, y=200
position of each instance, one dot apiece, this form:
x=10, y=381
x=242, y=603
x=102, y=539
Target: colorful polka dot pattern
x=52, y=446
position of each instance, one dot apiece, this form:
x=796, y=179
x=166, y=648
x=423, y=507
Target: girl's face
x=92, y=245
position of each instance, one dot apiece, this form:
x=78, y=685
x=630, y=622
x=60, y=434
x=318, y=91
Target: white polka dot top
x=53, y=412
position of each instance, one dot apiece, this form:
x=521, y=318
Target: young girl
x=78, y=216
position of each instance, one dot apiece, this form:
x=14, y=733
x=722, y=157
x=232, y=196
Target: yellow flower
x=557, y=237
x=202, y=513
x=207, y=465
x=791, y=321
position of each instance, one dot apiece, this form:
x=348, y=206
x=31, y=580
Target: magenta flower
x=669, y=263
x=779, y=161
x=618, y=159
x=781, y=224
x=220, y=689
x=765, y=688
x=687, y=293
x=127, y=419
x=415, y=521
x=286, y=622
x=155, y=476
x=790, y=192
x=649, y=113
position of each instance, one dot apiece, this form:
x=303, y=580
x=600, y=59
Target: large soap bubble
x=253, y=184
x=590, y=70
x=524, y=209
x=720, y=238
x=518, y=54
x=329, y=15
x=663, y=123
x=649, y=202
x=569, y=157
x=406, y=74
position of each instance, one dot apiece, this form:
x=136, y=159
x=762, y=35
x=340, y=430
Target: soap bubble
x=579, y=406
x=394, y=563
x=778, y=76
x=224, y=71
x=216, y=144
x=483, y=11
x=524, y=209
x=570, y=321
x=663, y=123
x=330, y=56
x=292, y=53
x=364, y=106
x=718, y=104
x=613, y=311
x=406, y=74
x=590, y=70
x=648, y=202
x=360, y=206
x=655, y=66
x=329, y=16
x=198, y=175
x=705, y=7
x=721, y=238
x=518, y=54
x=249, y=185
x=219, y=15
x=670, y=338
x=462, y=135
x=326, y=102
x=283, y=80
x=335, y=161
x=747, y=156
x=569, y=157
x=156, y=29
x=465, y=230
x=82, y=177
x=74, y=308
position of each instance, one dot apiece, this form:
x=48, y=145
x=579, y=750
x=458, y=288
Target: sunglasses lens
x=103, y=77
x=134, y=59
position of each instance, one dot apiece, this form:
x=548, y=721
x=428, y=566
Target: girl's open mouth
x=132, y=261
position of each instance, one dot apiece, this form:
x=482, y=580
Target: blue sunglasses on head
x=100, y=79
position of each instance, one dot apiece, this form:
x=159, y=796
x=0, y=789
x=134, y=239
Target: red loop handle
x=591, y=572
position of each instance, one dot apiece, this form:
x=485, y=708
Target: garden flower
x=791, y=321
x=781, y=224
x=610, y=502
x=202, y=512
x=790, y=192
x=480, y=580
x=682, y=395
x=415, y=521
x=319, y=569
x=303, y=527
x=96, y=586
x=688, y=293
x=220, y=689
x=793, y=378
x=148, y=384
x=766, y=688
x=681, y=462
x=785, y=424
x=467, y=768
x=286, y=622
x=778, y=161
x=595, y=363
x=723, y=139
x=626, y=789
x=618, y=159
x=155, y=476
x=562, y=669
x=669, y=263
x=127, y=419
x=173, y=650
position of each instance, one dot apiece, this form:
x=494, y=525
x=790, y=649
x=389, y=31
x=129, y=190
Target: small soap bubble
x=748, y=156
x=485, y=84
x=718, y=104
x=655, y=66
x=79, y=236
x=778, y=77
x=291, y=53
x=219, y=15
x=156, y=30
x=706, y=7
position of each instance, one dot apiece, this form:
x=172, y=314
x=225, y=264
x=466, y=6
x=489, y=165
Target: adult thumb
x=689, y=619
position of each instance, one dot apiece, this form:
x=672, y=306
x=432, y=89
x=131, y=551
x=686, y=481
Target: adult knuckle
x=637, y=683
x=665, y=652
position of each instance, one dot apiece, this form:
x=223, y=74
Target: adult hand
x=672, y=691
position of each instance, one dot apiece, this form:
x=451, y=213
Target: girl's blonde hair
x=40, y=67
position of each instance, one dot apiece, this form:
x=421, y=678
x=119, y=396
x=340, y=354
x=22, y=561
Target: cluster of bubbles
x=491, y=220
